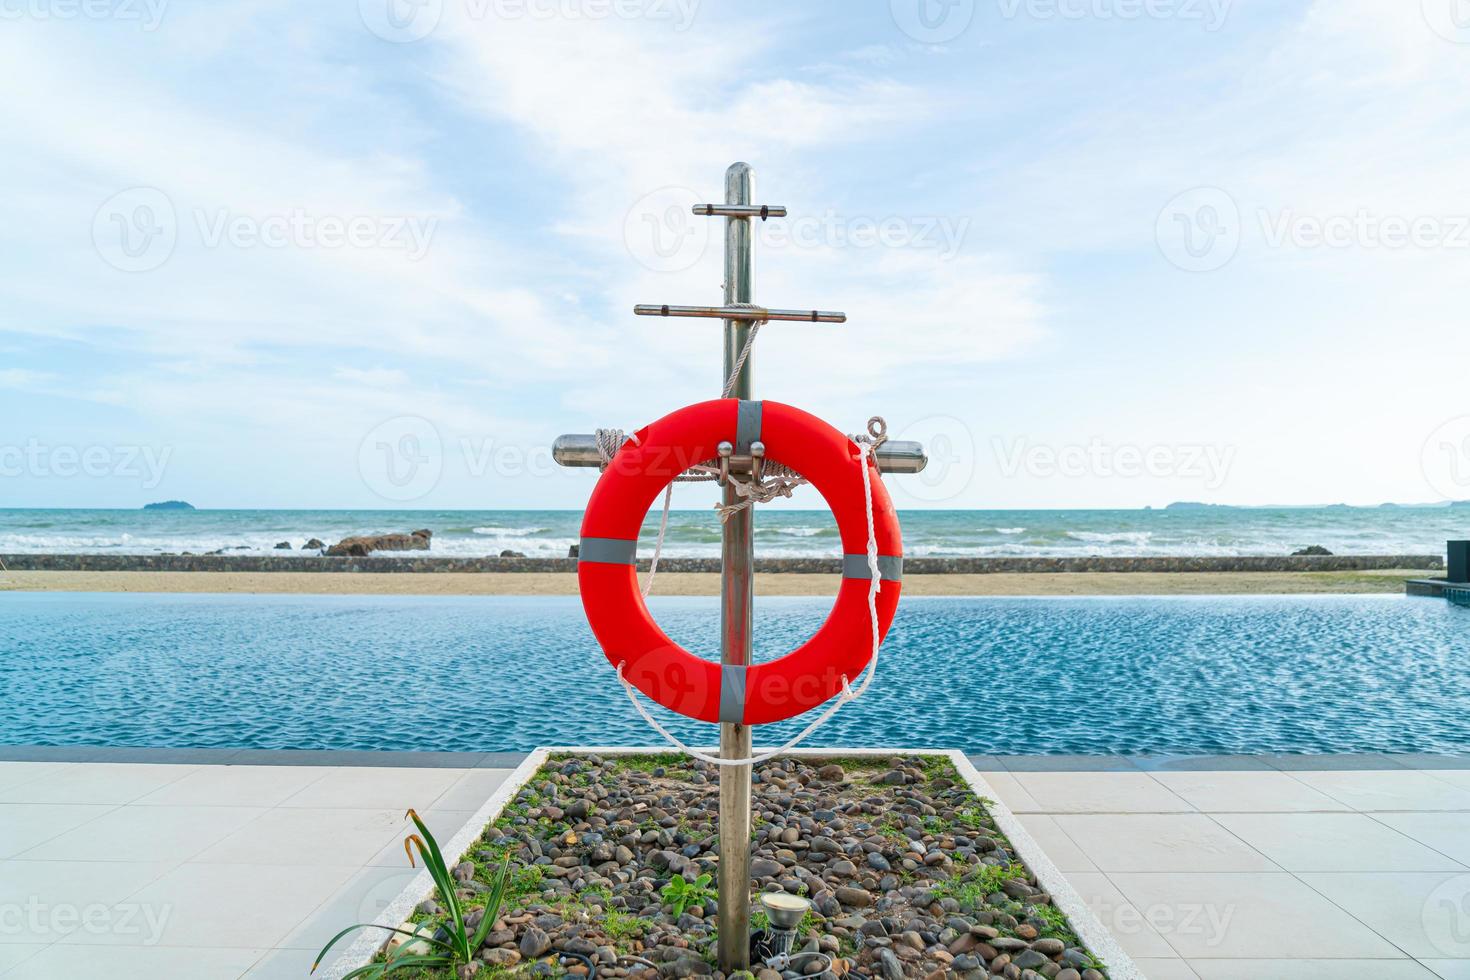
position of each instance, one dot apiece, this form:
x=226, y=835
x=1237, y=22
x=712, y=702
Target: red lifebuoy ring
x=665, y=671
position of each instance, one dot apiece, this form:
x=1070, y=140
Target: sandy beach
x=702, y=583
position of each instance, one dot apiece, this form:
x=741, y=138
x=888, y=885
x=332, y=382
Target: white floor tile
x=236, y=786
x=472, y=790
x=1128, y=924
x=362, y=899
x=1445, y=831
x=15, y=773
x=1100, y=792
x=1010, y=792
x=24, y=825
x=1290, y=969
x=1426, y=915
x=1065, y=854
x=95, y=782
x=1266, y=792
x=340, y=838
x=1389, y=789
x=443, y=824
x=378, y=788
x=1247, y=916
x=1160, y=842
x=285, y=964
x=14, y=954
x=146, y=833
x=1333, y=842
x=136, y=963
x=1157, y=968
x=56, y=899
x=233, y=905
x=1449, y=969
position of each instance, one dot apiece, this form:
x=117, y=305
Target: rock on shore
x=363, y=545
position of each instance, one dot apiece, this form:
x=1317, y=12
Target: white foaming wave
x=1112, y=537
x=509, y=530
x=488, y=545
x=125, y=543
x=1010, y=530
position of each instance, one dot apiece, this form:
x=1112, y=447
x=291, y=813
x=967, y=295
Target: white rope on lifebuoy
x=867, y=446
x=778, y=481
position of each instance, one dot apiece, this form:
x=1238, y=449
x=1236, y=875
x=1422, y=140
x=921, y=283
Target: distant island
x=1190, y=505
x=169, y=505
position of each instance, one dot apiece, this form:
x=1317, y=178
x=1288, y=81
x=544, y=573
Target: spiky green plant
x=460, y=943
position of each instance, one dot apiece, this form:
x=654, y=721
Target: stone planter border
x=1098, y=940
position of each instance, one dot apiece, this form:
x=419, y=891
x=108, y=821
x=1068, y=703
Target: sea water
x=780, y=532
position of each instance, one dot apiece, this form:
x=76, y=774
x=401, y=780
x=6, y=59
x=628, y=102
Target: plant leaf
x=492, y=906
x=373, y=925
x=417, y=960
x=408, y=843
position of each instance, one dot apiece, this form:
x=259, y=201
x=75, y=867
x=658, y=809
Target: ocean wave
x=490, y=529
x=1112, y=537
x=696, y=534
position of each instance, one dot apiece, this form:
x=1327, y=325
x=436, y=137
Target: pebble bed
x=908, y=875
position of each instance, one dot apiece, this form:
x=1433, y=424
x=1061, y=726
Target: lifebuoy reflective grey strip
x=890, y=567
x=732, y=692
x=747, y=426
x=609, y=551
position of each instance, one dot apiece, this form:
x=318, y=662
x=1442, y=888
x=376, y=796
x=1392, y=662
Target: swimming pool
x=1004, y=675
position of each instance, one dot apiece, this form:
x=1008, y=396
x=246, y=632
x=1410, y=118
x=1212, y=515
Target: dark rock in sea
x=314, y=544
x=169, y=505
x=507, y=553
x=1315, y=550
x=361, y=546
x=573, y=550
x=283, y=546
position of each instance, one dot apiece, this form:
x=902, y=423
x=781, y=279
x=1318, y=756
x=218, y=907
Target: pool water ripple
x=1003, y=675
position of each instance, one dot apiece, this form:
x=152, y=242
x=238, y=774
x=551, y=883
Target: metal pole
x=737, y=552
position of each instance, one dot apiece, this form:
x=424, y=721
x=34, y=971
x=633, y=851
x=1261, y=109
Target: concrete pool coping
x=985, y=762
x=1088, y=927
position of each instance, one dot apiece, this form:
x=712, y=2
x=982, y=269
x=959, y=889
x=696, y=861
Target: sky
x=1094, y=253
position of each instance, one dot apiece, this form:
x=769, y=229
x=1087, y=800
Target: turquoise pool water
x=1096, y=675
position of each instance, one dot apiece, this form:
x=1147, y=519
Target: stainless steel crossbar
x=740, y=313
x=894, y=456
